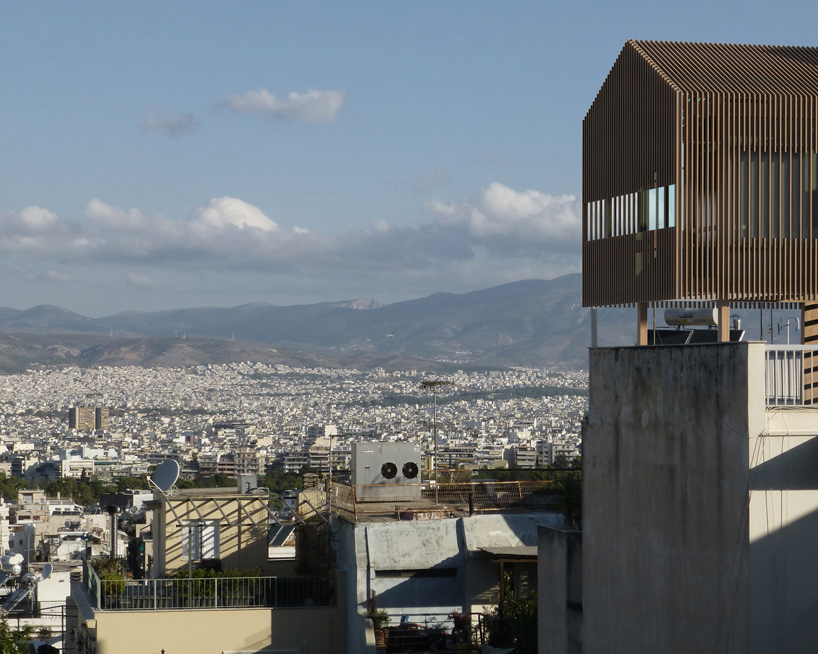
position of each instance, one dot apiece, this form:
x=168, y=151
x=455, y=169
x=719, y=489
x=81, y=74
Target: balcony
x=206, y=593
x=791, y=372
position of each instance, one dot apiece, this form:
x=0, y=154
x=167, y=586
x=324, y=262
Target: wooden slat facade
x=700, y=177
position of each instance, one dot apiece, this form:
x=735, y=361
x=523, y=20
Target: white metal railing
x=212, y=592
x=790, y=369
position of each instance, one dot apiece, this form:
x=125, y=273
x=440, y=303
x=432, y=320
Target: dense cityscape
x=248, y=417
x=332, y=329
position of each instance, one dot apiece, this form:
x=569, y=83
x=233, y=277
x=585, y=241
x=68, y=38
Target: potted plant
x=239, y=589
x=380, y=620
x=461, y=632
x=195, y=587
x=204, y=587
x=112, y=580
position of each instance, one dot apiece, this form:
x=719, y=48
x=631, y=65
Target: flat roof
x=521, y=552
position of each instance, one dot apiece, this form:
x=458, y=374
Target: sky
x=158, y=155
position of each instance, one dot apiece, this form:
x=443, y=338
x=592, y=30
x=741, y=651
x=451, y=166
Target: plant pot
x=380, y=639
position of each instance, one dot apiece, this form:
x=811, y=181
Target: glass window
x=200, y=540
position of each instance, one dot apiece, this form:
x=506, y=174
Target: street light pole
x=433, y=386
x=329, y=482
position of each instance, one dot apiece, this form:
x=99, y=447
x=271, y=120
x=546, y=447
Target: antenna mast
x=433, y=385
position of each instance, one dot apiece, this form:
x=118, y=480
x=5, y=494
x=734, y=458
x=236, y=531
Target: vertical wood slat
x=690, y=113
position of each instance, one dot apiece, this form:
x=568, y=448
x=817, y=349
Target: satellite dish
x=45, y=573
x=166, y=475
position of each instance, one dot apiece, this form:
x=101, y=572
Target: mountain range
x=529, y=323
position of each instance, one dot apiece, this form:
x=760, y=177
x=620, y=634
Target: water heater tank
x=684, y=317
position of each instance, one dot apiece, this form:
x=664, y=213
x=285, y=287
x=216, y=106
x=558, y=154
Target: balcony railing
x=207, y=593
x=791, y=371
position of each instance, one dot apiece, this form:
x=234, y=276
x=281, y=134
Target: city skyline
x=191, y=155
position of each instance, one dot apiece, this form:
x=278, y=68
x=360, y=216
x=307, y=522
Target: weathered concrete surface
x=425, y=567
x=559, y=610
x=792, y=421
x=414, y=545
x=505, y=530
x=783, y=539
x=665, y=549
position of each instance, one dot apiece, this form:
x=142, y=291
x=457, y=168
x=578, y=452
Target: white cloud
x=172, y=127
x=221, y=212
x=500, y=218
x=37, y=219
x=104, y=215
x=499, y=235
x=441, y=208
x=33, y=230
x=228, y=232
x=310, y=107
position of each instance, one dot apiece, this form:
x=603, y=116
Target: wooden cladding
x=628, y=142
x=629, y=268
x=809, y=326
x=700, y=176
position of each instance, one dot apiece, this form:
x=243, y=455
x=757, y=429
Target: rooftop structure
x=212, y=586
x=423, y=551
x=700, y=180
x=700, y=512
x=699, y=493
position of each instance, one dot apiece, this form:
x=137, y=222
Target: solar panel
x=282, y=535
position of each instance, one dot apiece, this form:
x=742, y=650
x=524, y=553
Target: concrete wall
x=241, y=544
x=305, y=630
x=422, y=567
x=666, y=473
x=217, y=631
x=784, y=537
x=352, y=557
x=559, y=583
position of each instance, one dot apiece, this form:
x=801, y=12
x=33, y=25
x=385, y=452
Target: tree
x=561, y=461
x=569, y=487
x=514, y=622
x=136, y=483
x=13, y=641
x=10, y=485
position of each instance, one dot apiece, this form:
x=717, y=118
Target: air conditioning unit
x=386, y=472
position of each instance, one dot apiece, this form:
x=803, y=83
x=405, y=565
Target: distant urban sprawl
x=247, y=417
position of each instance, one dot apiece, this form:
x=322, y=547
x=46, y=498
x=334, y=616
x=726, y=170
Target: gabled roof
x=730, y=68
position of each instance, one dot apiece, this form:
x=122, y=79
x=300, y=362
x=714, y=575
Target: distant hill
x=529, y=323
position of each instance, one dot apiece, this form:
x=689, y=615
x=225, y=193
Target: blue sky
x=169, y=154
